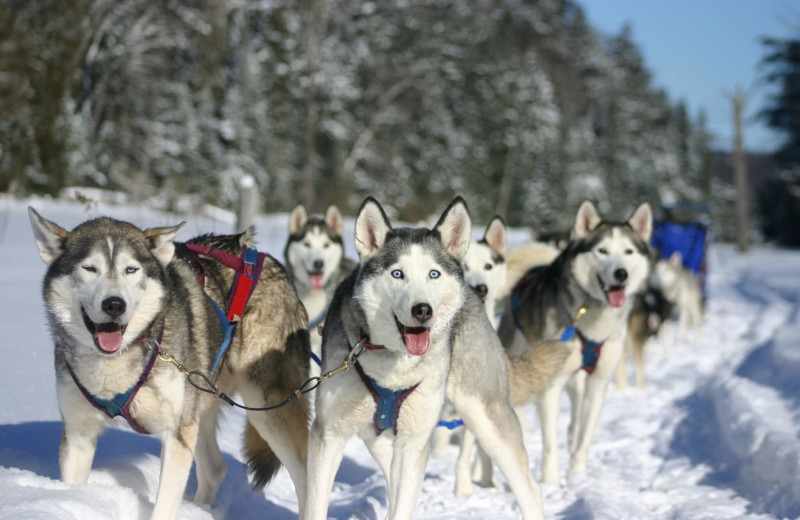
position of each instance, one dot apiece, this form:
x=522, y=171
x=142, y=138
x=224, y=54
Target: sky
x=702, y=50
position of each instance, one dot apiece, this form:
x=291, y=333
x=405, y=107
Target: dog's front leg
x=78, y=444
x=575, y=387
x=593, y=397
x=177, y=451
x=325, y=451
x=408, y=469
x=463, y=472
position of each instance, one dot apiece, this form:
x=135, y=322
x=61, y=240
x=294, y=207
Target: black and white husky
x=427, y=336
x=314, y=255
x=118, y=298
x=580, y=301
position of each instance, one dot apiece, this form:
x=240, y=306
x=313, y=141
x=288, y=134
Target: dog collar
x=367, y=345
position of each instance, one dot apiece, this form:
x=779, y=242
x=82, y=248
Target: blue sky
x=701, y=50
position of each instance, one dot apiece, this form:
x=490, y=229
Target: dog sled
x=684, y=228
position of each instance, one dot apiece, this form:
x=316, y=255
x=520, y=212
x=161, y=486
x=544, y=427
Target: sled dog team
x=399, y=337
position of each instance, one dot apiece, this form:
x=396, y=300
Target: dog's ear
x=642, y=221
x=49, y=236
x=372, y=226
x=588, y=218
x=161, y=241
x=454, y=227
x=297, y=219
x=676, y=259
x=495, y=235
x=333, y=218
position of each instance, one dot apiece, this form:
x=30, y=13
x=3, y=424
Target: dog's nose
x=114, y=306
x=422, y=311
x=621, y=275
x=319, y=264
x=481, y=289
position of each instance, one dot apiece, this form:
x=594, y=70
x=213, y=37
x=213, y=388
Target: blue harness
x=119, y=405
x=388, y=402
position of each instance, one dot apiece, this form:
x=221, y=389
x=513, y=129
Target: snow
x=716, y=433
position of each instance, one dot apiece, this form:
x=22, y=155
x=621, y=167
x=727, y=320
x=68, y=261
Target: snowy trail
x=714, y=434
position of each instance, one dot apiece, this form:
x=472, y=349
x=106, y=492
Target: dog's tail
x=262, y=462
x=534, y=372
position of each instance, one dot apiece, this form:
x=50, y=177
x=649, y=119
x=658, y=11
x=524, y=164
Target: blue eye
x=397, y=273
x=131, y=270
x=434, y=273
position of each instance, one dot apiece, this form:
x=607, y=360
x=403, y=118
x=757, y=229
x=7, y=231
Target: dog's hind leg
x=496, y=427
x=211, y=467
x=78, y=444
x=283, y=434
x=176, y=461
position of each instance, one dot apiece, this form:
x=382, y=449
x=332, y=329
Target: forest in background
x=520, y=106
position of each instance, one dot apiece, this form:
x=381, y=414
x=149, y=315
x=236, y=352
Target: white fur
x=159, y=405
x=601, y=323
x=345, y=408
x=681, y=288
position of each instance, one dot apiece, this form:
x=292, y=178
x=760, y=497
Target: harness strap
x=388, y=402
x=120, y=403
x=248, y=270
x=591, y=352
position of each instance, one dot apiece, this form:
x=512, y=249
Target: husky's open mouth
x=316, y=279
x=107, y=336
x=416, y=339
x=615, y=294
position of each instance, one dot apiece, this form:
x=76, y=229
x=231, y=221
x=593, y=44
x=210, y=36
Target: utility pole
x=739, y=99
x=307, y=180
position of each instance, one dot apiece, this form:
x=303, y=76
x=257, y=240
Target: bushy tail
x=533, y=373
x=262, y=462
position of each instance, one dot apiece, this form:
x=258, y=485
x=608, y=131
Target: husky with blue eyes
x=427, y=338
x=119, y=300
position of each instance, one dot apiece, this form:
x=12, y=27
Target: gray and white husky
x=589, y=285
x=427, y=336
x=117, y=299
x=316, y=263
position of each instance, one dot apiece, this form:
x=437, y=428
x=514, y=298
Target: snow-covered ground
x=714, y=436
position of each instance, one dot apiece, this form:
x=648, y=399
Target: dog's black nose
x=621, y=275
x=319, y=264
x=481, y=290
x=114, y=306
x=422, y=312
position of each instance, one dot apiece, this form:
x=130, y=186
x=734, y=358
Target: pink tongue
x=316, y=281
x=616, y=298
x=109, y=341
x=417, y=344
